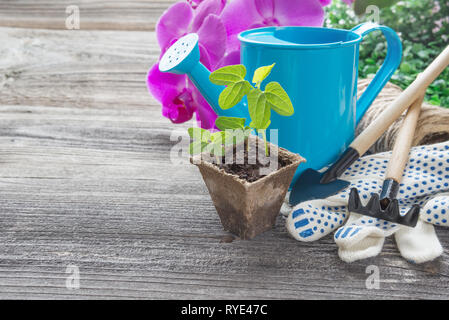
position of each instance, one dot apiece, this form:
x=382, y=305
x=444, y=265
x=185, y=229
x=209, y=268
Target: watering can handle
x=391, y=63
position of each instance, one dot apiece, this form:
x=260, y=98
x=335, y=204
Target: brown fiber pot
x=248, y=208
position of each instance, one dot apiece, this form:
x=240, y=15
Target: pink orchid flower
x=217, y=22
x=194, y=3
x=261, y=13
x=179, y=98
x=325, y=2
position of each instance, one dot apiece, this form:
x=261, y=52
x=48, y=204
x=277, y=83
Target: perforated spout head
x=182, y=56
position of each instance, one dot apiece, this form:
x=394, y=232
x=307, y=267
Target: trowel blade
x=308, y=187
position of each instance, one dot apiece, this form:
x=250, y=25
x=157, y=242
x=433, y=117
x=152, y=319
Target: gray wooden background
x=85, y=180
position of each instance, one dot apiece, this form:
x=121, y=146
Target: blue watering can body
x=318, y=68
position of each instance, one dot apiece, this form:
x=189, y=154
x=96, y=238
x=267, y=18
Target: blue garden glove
x=425, y=182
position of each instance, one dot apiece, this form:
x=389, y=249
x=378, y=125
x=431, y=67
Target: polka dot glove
x=426, y=183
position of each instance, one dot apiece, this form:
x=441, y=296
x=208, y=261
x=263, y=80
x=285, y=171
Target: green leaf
x=439, y=83
x=224, y=123
x=227, y=137
x=406, y=68
x=261, y=73
x=258, y=109
x=218, y=137
x=199, y=134
x=197, y=147
x=369, y=69
x=423, y=54
x=228, y=75
x=230, y=96
x=218, y=140
x=278, y=99
x=434, y=102
x=267, y=124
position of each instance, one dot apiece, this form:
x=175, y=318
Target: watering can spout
x=199, y=75
x=183, y=57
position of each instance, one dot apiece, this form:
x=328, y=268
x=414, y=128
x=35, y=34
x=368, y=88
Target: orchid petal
x=194, y=3
x=178, y=102
x=173, y=24
x=178, y=106
x=328, y=2
x=212, y=35
x=205, y=115
x=205, y=58
x=265, y=8
x=204, y=9
x=158, y=82
x=223, y=4
x=299, y=13
x=233, y=43
x=169, y=89
x=177, y=114
x=231, y=58
x=232, y=19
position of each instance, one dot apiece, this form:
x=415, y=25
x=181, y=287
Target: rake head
x=385, y=210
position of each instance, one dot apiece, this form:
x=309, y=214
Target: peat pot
x=247, y=209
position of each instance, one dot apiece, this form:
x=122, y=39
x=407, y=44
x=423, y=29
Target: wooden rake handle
x=403, y=143
x=373, y=132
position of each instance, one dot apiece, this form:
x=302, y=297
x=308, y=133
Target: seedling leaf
x=197, y=147
x=265, y=126
x=261, y=73
x=224, y=123
x=199, y=134
x=218, y=137
x=232, y=94
x=228, y=75
x=258, y=109
x=278, y=99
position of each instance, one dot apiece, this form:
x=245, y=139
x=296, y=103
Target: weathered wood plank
x=97, y=190
x=94, y=15
x=86, y=180
x=76, y=68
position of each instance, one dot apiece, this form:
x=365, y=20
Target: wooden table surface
x=86, y=181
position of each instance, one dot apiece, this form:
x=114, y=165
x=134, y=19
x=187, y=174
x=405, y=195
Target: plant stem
x=266, y=143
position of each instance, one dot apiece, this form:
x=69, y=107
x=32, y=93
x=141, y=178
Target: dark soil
x=249, y=168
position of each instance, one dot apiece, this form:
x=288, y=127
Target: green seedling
x=260, y=104
x=204, y=140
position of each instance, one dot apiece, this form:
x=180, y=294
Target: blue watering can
x=317, y=67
